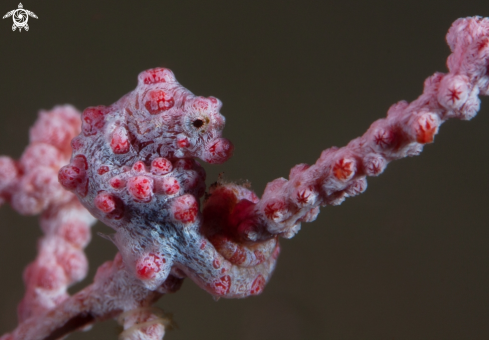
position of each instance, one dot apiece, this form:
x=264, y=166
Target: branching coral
x=133, y=167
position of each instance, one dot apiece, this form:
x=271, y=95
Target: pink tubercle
x=156, y=75
x=161, y=166
x=139, y=167
x=77, y=143
x=158, y=101
x=170, y=185
x=148, y=266
x=140, y=188
x=183, y=142
x=203, y=244
x=219, y=151
x=222, y=286
x=73, y=176
x=185, y=208
x=117, y=182
x=105, y=202
x=216, y=263
x=258, y=285
x=103, y=169
x=70, y=177
x=240, y=256
x=81, y=162
x=119, y=142
x=93, y=120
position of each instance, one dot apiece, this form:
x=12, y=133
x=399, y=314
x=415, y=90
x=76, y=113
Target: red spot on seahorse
x=223, y=285
x=258, y=285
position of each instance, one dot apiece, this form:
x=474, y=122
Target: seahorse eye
x=198, y=123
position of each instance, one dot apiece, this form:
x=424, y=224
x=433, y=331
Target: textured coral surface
x=133, y=167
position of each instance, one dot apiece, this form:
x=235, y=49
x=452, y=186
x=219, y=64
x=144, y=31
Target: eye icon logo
x=20, y=17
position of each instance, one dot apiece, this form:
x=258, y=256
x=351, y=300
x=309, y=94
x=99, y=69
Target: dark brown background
x=408, y=259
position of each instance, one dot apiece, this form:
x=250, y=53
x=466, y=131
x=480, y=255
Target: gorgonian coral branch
x=133, y=167
x=31, y=187
x=342, y=172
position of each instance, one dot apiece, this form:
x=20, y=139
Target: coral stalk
x=341, y=172
x=30, y=186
